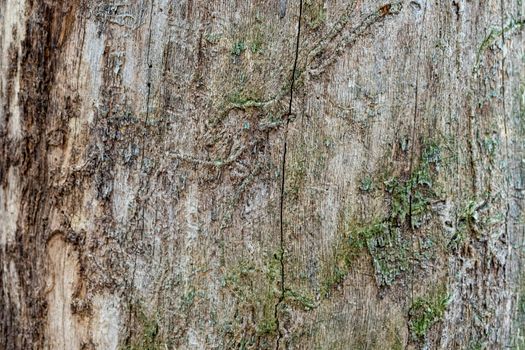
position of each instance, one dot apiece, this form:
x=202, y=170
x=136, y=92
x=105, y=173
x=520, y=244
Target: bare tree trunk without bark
x=301, y=174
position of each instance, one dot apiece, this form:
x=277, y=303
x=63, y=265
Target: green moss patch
x=427, y=311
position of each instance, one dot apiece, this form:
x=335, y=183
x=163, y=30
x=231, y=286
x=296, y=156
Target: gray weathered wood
x=276, y=174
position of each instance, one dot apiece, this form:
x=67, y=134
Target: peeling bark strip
x=262, y=175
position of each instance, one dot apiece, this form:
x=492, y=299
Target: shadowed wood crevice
x=287, y=117
x=413, y=142
x=144, y=179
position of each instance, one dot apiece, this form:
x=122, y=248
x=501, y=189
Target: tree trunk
x=301, y=174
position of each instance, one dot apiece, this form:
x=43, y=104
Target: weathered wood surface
x=262, y=174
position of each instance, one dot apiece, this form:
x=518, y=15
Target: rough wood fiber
x=262, y=174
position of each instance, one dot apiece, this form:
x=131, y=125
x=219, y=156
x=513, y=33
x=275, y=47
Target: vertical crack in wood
x=508, y=233
x=283, y=178
x=148, y=90
x=411, y=160
x=143, y=146
x=506, y=180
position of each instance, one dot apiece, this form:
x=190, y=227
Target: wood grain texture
x=300, y=174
